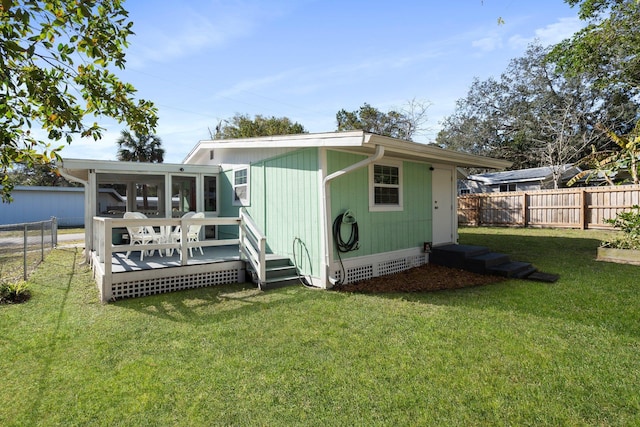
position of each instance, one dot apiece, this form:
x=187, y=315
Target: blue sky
x=204, y=61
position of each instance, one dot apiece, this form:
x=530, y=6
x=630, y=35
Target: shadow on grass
x=215, y=303
x=588, y=292
x=48, y=352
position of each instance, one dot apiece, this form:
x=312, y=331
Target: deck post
x=108, y=257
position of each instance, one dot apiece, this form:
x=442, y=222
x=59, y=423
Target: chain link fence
x=24, y=246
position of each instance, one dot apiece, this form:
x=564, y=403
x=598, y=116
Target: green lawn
x=513, y=353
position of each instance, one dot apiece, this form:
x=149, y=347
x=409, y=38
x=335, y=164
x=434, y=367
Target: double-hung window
x=385, y=186
x=241, y=187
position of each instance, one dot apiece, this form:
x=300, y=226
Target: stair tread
x=464, y=250
x=282, y=279
x=524, y=274
x=511, y=265
x=539, y=276
x=490, y=255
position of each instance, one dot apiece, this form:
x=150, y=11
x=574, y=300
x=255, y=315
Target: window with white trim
x=385, y=186
x=241, y=187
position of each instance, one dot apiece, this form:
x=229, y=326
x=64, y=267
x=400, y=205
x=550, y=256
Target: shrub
x=13, y=293
x=629, y=223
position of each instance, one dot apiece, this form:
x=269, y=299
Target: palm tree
x=139, y=147
x=608, y=164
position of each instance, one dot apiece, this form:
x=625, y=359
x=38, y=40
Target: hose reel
x=352, y=243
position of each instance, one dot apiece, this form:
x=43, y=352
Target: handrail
x=253, y=245
x=104, y=248
x=251, y=241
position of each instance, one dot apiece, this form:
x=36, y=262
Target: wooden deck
x=130, y=278
x=220, y=263
x=216, y=254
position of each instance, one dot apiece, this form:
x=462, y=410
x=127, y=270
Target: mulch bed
x=428, y=277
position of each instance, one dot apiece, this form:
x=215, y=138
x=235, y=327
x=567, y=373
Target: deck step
x=482, y=263
x=513, y=269
x=480, y=259
x=279, y=271
x=280, y=282
x=455, y=256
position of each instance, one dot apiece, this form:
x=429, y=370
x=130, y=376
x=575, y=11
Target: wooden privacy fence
x=586, y=207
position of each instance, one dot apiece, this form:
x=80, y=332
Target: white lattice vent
x=362, y=272
x=416, y=261
x=390, y=267
x=379, y=268
x=139, y=288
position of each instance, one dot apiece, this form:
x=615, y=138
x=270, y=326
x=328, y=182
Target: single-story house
x=516, y=180
x=40, y=203
x=342, y=206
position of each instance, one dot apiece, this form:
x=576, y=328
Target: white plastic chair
x=176, y=235
x=193, y=235
x=141, y=235
x=193, y=232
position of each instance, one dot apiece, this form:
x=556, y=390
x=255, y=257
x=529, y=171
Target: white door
x=443, y=205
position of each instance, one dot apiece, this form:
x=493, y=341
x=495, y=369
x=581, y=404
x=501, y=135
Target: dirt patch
x=429, y=277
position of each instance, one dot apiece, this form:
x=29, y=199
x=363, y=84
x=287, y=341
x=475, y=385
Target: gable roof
x=356, y=141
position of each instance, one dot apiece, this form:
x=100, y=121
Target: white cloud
x=193, y=30
x=549, y=35
x=488, y=44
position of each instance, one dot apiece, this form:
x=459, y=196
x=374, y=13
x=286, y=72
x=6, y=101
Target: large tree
x=403, y=123
x=536, y=116
x=608, y=48
x=56, y=77
x=243, y=126
x=45, y=174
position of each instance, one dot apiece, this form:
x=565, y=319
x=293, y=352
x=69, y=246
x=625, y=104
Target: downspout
x=326, y=278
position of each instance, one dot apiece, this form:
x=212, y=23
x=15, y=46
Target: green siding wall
x=285, y=204
x=382, y=231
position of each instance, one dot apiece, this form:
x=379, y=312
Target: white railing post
x=107, y=231
x=184, y=242
x=256, y=256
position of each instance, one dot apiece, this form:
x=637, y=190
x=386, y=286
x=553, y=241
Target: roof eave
x=354, y=140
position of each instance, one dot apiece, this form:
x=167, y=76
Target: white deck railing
x=251, y=242
x=253, y=246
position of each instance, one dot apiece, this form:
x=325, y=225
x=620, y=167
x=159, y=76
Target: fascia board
x=103, y=166
x=329, y=139
x=437, y=154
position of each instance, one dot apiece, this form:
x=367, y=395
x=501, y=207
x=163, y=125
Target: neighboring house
x=34, y=203
x=515, y=180
x=400, y=196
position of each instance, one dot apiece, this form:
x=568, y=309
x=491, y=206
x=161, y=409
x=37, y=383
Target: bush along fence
x=583, y=208
x=24, y=246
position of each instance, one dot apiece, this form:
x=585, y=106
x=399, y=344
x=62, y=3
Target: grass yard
x=512, y=353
